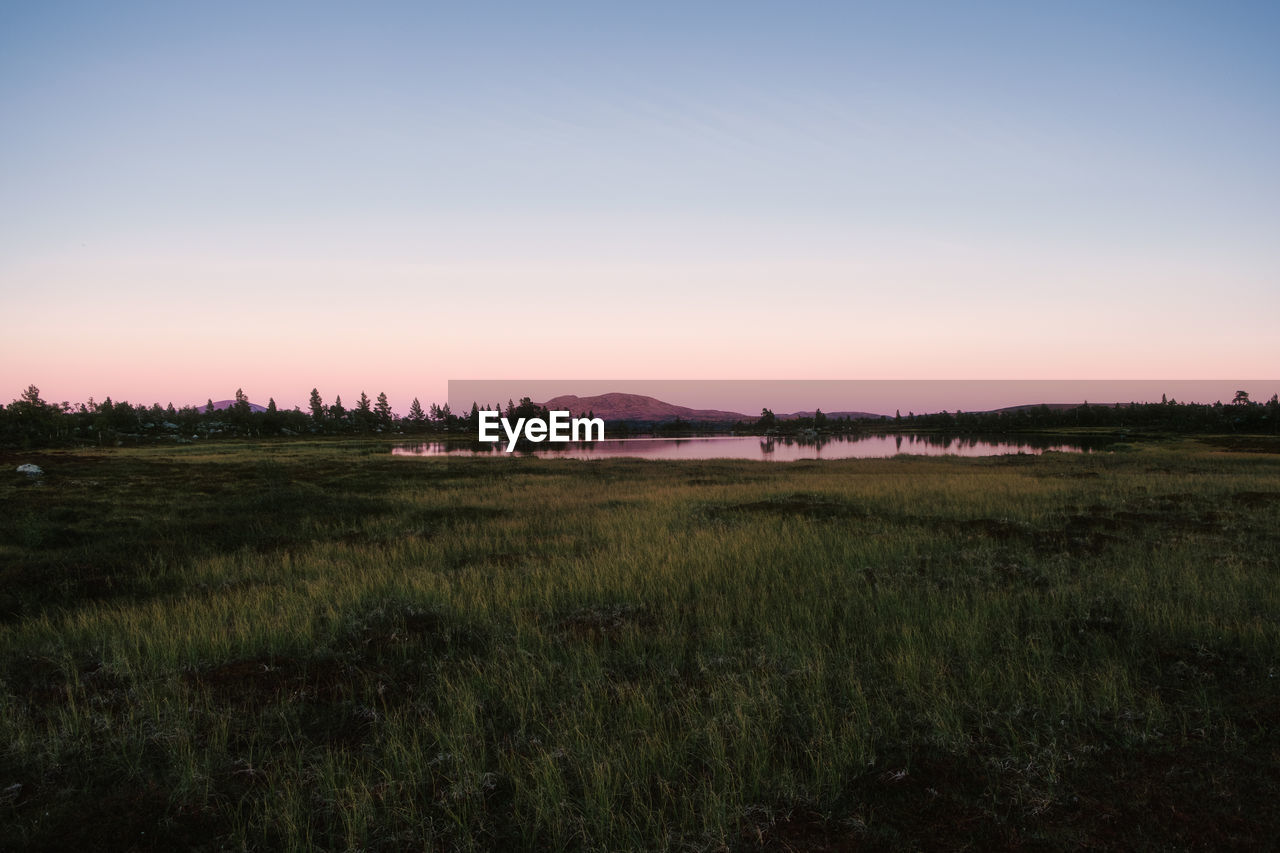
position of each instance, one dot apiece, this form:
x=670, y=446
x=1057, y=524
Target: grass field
x=299, y=645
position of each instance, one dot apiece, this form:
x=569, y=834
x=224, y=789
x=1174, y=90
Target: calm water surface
x=758, y=447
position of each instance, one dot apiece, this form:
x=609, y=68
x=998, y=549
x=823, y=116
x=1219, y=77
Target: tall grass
x=300, y=646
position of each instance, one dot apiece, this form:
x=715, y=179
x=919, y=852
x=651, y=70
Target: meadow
x=312, y=644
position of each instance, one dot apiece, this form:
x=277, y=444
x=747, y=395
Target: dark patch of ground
x=1188, y=798
x=1253, y=500
x=1086, y=531
x=1245, y=443
x=42, y=684
x=598, y=623
x=255, y=683
x=117, y=817
x=1097, y=528
x=411, y=630
x=931, y=800
x=728, y=479
x=798, y=505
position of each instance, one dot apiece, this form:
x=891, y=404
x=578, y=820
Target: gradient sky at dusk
x=380, y=196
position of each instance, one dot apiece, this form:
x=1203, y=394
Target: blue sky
x=911, y=189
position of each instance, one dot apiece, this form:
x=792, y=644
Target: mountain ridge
x=619, y=406
x=222, y=405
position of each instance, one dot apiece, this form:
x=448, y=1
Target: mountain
x=637, y=407
x=853, y=416
x=220, y=405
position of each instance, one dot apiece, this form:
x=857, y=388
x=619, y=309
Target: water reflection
x=777, y=448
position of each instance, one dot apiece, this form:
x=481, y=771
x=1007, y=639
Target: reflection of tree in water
x=958, y=442
x=807, y=444
x=943, y=441
x=802, y=440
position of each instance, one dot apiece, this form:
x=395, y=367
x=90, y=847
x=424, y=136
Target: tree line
x=30, y=421
x=1241, y=415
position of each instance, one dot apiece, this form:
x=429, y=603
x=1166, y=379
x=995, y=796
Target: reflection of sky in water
x=758, y=447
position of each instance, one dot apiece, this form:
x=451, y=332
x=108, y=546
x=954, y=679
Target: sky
x=196, y=198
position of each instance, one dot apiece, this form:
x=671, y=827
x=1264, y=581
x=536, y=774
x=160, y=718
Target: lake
x=775, y=448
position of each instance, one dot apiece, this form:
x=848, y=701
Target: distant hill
x=850, y=415
x=640, y=408
x=637, y=407
x=226, y=404
x=1053, y=407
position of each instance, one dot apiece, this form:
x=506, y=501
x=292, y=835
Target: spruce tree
x=383, y=411
x=417, y=417
x=362, y=414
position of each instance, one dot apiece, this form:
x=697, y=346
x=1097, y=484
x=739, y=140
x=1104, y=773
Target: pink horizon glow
x=744, y=303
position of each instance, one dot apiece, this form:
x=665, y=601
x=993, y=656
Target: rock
x=30, y=470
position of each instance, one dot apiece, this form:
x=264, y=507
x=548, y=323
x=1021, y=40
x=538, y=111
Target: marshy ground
x=295, y=645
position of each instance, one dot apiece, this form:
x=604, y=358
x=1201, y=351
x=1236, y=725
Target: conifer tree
x=362, y=414
x=417, y=417
x=382, y=411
